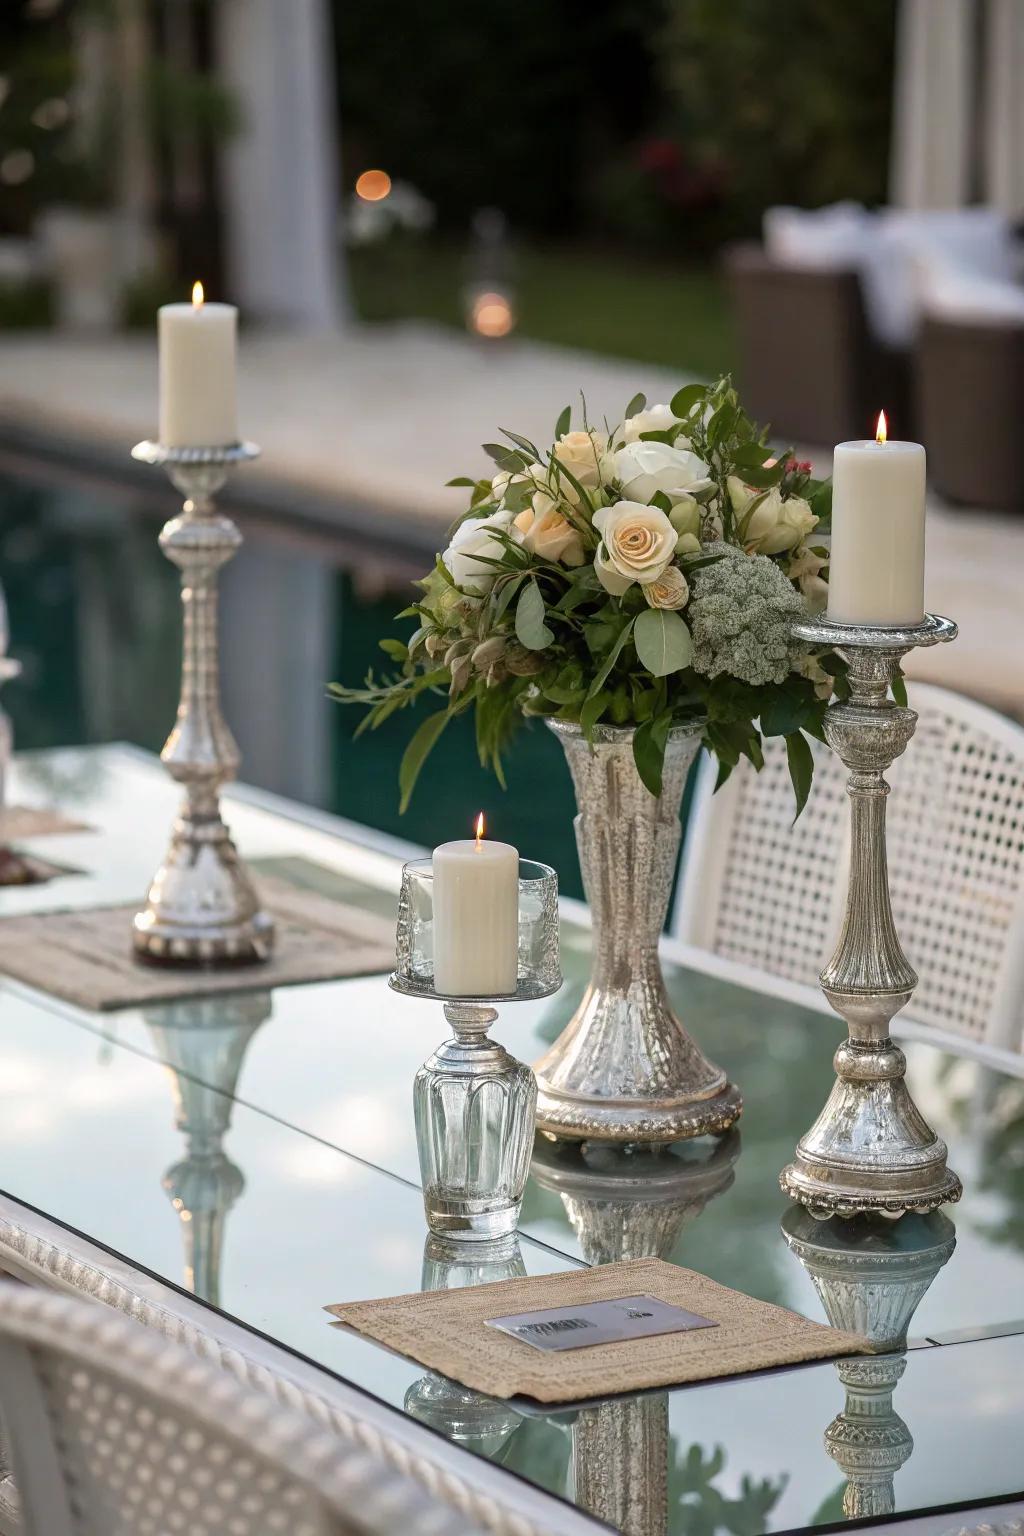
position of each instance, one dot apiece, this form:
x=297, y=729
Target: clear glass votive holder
x=474, y=1103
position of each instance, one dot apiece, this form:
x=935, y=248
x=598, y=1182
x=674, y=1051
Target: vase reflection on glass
x=624, y=1068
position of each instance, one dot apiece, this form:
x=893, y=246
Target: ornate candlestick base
x=202, y=907
x=870, y=1148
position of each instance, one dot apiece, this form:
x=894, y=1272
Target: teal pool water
x=95, y=618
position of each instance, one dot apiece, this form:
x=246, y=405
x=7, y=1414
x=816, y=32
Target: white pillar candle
x=876, y=566
x=197, y=373
x=476, y=917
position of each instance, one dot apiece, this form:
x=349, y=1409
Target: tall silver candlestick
x=870, y=1148
x=202, y=906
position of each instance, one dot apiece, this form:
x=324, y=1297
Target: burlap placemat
x=86, y=956
x=445, y=1331
x=18, y=821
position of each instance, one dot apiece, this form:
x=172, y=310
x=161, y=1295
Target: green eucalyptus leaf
x=649, y=742
x=592, y=709
x=613, y=655
x=684, y=400
x=563, y=423
x=801, y=768
x=531, y=629
x=461, y=480
x=523, y=443
x=635, y=406
x=661, y=501
x=662, y=641
x=898, y=689
x=417, y=752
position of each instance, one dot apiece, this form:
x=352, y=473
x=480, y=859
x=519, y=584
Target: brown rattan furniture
x=969, y=383
x=807, y=360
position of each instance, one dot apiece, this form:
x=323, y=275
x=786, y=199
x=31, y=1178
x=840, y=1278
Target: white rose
x=475, y=537
x=656, y=418
x=637, y=544
x=643, y=469
x=581, y=453
x=536, y=473
x=545, y=532
x=671, y=590
x=778, y=525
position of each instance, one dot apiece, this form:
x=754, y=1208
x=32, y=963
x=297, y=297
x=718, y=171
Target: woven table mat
x=445, y=1331
x=35, y=821
x=86, y=956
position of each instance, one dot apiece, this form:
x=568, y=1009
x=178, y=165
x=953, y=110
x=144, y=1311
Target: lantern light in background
x=373, y=186
x=491, y=315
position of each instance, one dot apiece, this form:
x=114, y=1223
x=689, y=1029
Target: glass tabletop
x=259, y=1151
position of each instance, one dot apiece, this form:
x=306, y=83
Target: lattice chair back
x=769, y=895
x=114, y=1431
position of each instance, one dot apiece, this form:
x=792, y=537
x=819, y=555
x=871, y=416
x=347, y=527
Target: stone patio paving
x=380, y=418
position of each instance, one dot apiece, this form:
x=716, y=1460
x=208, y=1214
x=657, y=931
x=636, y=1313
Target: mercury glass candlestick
x=474, y=1103
x=202, y=906
x=870, y=1148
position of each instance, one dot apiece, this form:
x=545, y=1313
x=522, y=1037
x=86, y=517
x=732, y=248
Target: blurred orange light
x=480, y=827
x=373, y=186
x=492, y=315
x=882, y=430
x=198, y=297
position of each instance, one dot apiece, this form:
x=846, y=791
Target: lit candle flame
x=882, y=430
x=479, y=829
x=198, y=297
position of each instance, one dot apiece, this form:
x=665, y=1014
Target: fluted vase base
x=625, y=1069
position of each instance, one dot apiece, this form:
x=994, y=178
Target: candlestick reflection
x=882, y=430
x=198, y=297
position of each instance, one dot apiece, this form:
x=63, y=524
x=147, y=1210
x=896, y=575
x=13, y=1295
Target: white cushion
x=819, y=238
x=976, y=242
x=950, y=292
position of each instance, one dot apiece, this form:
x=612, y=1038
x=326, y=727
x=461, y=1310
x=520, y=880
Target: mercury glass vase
x=625, y=1069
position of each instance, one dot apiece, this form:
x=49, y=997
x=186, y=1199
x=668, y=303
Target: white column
x=933, y=91
x=279, y=172
x=1004, y=106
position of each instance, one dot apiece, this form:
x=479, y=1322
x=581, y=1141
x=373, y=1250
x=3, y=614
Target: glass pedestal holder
x=202, y=906
x=870, y=1148
x=474, y=1102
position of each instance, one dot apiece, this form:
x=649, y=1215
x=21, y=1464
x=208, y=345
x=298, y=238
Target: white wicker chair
x=112, y=1431
x=769, y=895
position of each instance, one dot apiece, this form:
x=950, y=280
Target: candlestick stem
x=870, y=1149
x=202, y=906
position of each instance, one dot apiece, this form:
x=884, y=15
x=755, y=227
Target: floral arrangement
x=642, y=575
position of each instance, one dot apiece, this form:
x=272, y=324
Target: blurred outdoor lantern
x=373, y=186
x=491, y=315
x=488, y=296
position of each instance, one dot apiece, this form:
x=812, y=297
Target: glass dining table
x=256, y=1152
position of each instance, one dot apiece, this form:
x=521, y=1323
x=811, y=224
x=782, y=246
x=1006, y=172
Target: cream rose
x=779, y=525
x=473, y=538
x=545, y=532
x=805, y=569
x=581, y=453
x=637, y=544
x=643, y=469
x=656, y=418
x=671, y=590
x=774, y=525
